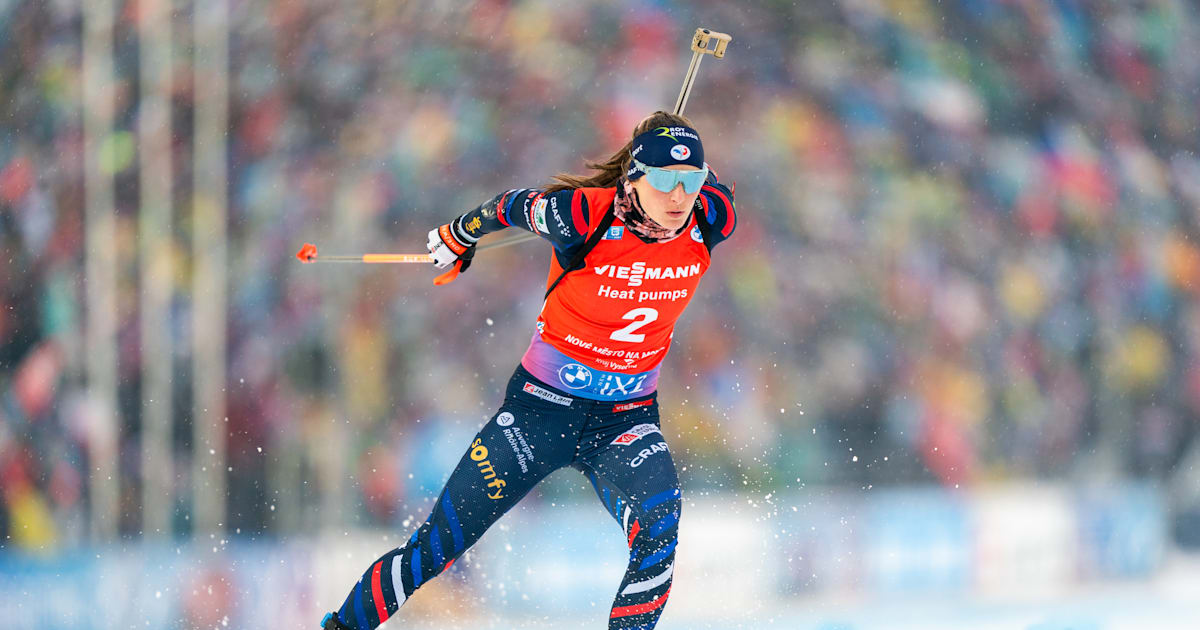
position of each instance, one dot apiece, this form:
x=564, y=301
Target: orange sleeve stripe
x=450, y=241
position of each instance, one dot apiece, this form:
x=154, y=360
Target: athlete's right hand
x=448, y=244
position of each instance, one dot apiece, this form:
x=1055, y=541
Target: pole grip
x=700, y=41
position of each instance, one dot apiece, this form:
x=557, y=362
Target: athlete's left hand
x=447, y=245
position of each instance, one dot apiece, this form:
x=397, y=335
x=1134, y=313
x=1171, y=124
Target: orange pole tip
x=308, y=253
x=449, y=276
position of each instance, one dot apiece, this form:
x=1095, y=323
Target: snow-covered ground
x=1029, y=557
x=1169, y=601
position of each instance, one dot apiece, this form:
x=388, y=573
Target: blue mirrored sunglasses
x=665, y=180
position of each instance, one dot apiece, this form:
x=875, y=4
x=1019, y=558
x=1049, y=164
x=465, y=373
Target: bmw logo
x=575, y=376
x=680, y=152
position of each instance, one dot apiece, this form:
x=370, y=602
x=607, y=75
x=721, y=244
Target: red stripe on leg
x=638, y=609
x=633, y=532
x=377, y=592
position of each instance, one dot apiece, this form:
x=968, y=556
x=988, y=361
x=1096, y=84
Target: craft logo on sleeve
x=636, y=433
x=558, y=220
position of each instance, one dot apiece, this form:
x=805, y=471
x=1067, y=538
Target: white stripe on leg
x=658, y=580
x=397, y=579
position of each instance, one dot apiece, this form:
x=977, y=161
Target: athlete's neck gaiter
x=628, y=208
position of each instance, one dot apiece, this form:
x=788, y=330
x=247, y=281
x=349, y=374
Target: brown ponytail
x=611, y=170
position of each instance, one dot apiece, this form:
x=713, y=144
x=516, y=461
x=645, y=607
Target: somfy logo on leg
x=479, y=455
x=575, y=376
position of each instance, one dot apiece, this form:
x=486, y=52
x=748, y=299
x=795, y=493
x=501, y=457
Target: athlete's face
x=670, y=210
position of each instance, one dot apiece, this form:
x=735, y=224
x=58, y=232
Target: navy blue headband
x=666, y=146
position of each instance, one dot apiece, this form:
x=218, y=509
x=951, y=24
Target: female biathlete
x=584, y=394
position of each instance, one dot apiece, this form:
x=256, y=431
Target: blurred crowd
x=966, y=248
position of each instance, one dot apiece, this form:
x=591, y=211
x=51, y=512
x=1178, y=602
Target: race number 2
x=640, y=317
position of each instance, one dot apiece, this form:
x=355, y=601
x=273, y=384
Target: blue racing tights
x=538, y=430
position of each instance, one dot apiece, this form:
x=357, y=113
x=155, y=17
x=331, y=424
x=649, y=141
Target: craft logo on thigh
x=479, y=454
x=645, y=453
x=636, y=433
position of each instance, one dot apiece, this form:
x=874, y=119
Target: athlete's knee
x=655, y=530
x=436, y=544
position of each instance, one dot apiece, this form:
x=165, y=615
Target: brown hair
x=611, y=170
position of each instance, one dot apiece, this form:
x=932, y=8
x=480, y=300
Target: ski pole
x=700, y=47
x=308, y=254
x=700, y=42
